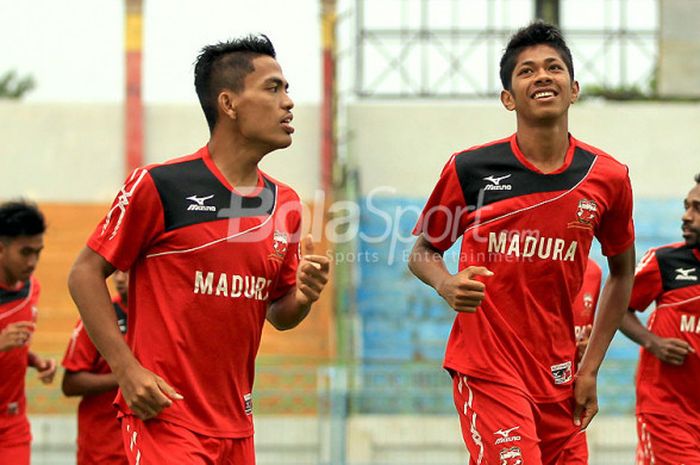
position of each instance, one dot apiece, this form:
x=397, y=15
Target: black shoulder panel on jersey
x=191, y=194
x=495, y=173
x=10, y=296
x=121, y=317
x=678, y=266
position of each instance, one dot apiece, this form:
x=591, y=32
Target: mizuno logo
x=684, y=274
x=505, y=435
x=496, y=183
x=198, y=204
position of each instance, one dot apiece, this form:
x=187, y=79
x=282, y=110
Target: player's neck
x=544, y=146
x=237, y=161
x=6, y=281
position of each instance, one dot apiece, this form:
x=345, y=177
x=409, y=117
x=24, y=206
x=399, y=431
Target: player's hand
x=463, y=293
x=670, y=350
x=146, y=393
x=15, y=335
x=312, y=273
x=585, y=400
x=46, y=369
x=582, y=342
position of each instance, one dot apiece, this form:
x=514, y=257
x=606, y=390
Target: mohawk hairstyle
x=224, y=66
x=20, y=218
x=536, y=33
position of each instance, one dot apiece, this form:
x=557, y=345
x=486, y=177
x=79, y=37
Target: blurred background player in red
x=668, y=376
x=576, y=452
x=22, y=228
x=527, y=208
x=88, y=375
x=212, y=245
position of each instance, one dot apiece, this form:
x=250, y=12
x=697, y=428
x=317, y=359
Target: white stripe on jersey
x=673, y=304
x=646, y=259
x=217, y=241
x=20, y=305
x=123, y=202
x=531, y=207
x=74, y=338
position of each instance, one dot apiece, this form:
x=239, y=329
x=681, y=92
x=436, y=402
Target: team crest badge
x=511, y=456
x=585, y=214
x=280, y=243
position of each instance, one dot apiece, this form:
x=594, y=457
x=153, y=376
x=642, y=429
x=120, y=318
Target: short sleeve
x=132, y=223
x=444, y=216
x=647, y=282
x=81, y=353
x=287, y=277
x=616, y=229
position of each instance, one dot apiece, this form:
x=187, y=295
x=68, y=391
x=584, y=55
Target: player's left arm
x=613, y=305
x=46, y=367
x=312, y=276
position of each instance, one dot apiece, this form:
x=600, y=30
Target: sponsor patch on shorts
x=562, y=373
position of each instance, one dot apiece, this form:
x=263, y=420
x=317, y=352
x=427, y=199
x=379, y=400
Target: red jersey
x=587, y=298
x=670, y=276
x=18, y=304
x=205, y=262
x=99, y=434
x=534, y=231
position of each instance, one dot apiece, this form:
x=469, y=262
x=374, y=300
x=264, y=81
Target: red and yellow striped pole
x=133, y=116
x=328, y=104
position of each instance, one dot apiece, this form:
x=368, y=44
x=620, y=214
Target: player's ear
x=507, y=100
x=227, y=103
x=575, y=90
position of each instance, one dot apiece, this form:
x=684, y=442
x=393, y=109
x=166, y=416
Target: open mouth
x=287, y=123
x=543, y=94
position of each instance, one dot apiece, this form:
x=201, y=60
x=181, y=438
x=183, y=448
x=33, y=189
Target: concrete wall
x=679, y=48
x=74, y=153
x=405, y=146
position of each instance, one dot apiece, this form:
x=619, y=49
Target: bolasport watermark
x=383, y=227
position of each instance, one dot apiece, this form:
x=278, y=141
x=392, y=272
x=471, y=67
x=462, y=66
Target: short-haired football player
x=22, y=228
x=668, y=376
x=212, y=247
x=527, y=208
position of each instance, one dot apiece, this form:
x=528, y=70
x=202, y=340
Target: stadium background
x=359, y=382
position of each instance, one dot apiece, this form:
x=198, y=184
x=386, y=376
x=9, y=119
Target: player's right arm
x=145, y=393
x=443, y=219
x=83, y=383
x=647, y=288
x=667, y=349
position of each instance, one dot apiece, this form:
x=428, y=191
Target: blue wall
x=404, y=323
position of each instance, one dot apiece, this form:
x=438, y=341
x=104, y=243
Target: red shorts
x=501, y=425
x=155, y=442
x=15, y=440
x=576, y=453
x=666, y=441
x=17, y=454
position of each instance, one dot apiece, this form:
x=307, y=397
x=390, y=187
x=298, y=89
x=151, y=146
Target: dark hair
x=225, y=66
x=536, y=33
x=697, y=178
x=20, y=218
